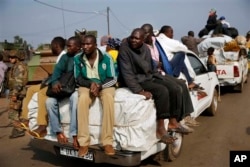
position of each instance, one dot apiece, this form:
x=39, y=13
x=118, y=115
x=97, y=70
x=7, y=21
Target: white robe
x=170, y=46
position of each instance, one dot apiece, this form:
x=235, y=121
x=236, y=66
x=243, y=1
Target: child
x=211, y=61
x=17, y=80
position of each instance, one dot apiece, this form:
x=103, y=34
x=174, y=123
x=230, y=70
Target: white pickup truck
x=134, y=131
x=232, y=66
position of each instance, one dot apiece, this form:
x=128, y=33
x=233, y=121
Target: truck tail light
x=236, y=71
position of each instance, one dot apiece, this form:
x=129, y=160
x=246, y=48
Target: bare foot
x=164, y=137
x=75, y=143
x=191, y=85
x=61, y=138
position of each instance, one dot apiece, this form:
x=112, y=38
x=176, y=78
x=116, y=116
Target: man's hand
x=147, y=94
x=159, y=65
x=95, y=89
x=57, y=88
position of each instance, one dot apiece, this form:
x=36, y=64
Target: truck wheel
x=172, y=151
x=212, y=109
x=246, y=78
x=239, y=87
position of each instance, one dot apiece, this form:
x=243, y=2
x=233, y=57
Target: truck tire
x=239, y=87
x=212, y=109
x=172, y=151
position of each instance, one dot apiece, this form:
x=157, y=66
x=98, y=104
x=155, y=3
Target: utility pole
x=63, y=20
x=108, y=19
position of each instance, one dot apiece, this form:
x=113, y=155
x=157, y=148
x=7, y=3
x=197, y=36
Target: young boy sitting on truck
x=211, y=61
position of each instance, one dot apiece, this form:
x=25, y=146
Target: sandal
x=194, y=86
x=22, y=123
x=166, y=138
x=180, y=129
x=38, y=135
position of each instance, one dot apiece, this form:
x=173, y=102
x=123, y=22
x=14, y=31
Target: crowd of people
x=147, y=64
x=96, y=74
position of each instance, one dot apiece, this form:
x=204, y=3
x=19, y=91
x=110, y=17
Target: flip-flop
x=180, y=129
x=167, y=138
x=37, y=135
x=196, y=87
x=24, y=126
x=83, y=150
x=20, y=124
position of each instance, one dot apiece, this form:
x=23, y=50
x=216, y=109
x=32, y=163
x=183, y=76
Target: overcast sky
x=38, y=21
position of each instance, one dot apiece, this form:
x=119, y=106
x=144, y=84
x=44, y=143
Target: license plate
x=74, y=153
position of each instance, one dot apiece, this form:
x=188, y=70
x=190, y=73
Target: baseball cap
x=222, y=18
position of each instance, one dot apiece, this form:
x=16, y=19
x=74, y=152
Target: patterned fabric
x=114, y=43
x=17, y=80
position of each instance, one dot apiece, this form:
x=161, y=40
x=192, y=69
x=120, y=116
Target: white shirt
x=170, y=45
x=224, y=22
x=60, y=55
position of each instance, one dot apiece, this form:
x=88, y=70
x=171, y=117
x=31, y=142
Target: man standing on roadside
x=17, y=80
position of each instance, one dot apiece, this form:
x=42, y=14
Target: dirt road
x=208, y=146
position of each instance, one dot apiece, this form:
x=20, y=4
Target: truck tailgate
x=225, y=71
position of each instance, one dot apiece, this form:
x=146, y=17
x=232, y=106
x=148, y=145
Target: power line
x=64, y=28
x=54, y=29
x=105, y=13
x=116, y=18
x=66, y=10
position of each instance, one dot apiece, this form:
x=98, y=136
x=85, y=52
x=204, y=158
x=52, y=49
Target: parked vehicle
x=134, y=130
x=40, y=66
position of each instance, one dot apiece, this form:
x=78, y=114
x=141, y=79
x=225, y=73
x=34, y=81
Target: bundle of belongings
x=226, y=48
x=235, y=44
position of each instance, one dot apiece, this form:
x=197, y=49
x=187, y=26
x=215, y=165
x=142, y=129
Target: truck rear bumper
x=97, y=155
x=229, y=82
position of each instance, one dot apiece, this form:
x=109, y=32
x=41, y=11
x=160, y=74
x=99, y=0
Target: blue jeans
x=178, y=66
x=54, y=116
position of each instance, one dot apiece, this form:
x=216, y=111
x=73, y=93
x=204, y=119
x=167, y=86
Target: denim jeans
x=178, y=66
x=54, y=116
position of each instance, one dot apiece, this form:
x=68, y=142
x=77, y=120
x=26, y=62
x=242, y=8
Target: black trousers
x=171, y=97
